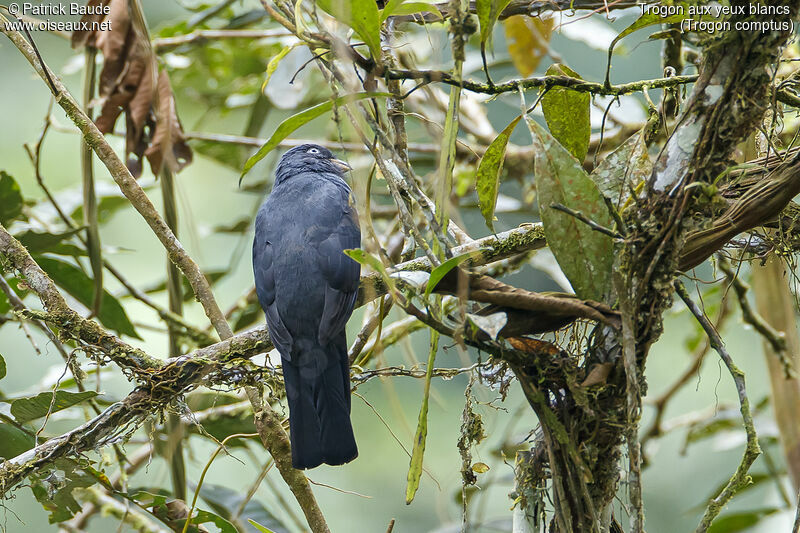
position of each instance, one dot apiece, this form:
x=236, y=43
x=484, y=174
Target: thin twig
x=752, y=450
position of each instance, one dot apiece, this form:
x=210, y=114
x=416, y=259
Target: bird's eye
x=313, y=151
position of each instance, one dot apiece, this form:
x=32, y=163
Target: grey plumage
x=307, y=287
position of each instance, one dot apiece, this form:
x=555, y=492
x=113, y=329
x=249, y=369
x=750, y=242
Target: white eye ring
x=312, y=151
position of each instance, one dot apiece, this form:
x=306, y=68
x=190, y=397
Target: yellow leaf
x=527, y=39
x=480, y=468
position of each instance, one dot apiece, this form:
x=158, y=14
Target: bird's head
x=309, y=158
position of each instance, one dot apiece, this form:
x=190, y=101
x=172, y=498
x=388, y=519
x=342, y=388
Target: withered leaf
x=126, y=85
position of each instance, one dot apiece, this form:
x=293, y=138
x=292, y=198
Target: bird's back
x=295, y=219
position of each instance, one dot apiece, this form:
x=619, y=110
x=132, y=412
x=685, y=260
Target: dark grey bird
x=307, y=287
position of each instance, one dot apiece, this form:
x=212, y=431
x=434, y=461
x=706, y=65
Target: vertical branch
x=633, y=403
x=752, y=450
x=447, y=156
x=89, y=197
x=174, y=426
x=174, y=449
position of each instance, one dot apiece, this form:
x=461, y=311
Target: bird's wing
x=341, y=275
x=265, y=288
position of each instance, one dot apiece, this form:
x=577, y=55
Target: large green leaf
x=10, y=199
x=33, y=407
x=487, y=178
x=13, y=441
x=80, y=286
x=259, y=527
x=623, y=169
x=53, y=485
x=289, y=125
x=38, y=242
x=584, y=255
x=567, y=114
x=2, y=367
x=228, y=422
x=415, y=465
x=361, y=15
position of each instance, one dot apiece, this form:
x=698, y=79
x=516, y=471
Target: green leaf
x=225, y=501
x=275, y=61
x=107, y=206
x=623, y=169
x=40, y=242
x=5, y=305
x=723, y=421
x=415, y=465
x=289, y=125
x=2, y=367
x=13, y=441
x=363, y=258
x=204, y=517
x=584, y=255
x=258, y=526
x=487, y=177
x=53, y=485
x=167, y=509
x=33, y=407
x=742, y=521
x=361, y=15
x=80, y=286
x=567, y=114
x=488, y=12
x=401, y=7
x=441, y=271
x=10, y=199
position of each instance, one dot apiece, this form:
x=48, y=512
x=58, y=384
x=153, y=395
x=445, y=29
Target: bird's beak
x=342, y=165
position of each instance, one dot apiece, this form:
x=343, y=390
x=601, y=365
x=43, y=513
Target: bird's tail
x=317, y=383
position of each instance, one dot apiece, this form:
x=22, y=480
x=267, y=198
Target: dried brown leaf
x=126, y=85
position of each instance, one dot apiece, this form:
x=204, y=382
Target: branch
x=546, y=82
x=752, y=450
x=202, y=36
x=167, y=382
x=525, y=238
x=61, y=315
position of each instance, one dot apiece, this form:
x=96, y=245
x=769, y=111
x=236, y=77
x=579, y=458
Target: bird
x=307, y=287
